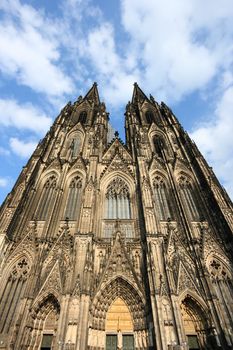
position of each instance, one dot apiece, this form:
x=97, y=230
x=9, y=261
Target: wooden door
x=111, y=342
x=128, y=342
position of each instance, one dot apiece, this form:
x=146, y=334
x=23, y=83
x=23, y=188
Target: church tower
x=107, y=245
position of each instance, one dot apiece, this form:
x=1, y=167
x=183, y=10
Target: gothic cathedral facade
x=107, y=245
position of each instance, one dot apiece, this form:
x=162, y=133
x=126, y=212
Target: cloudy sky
x=52, y=51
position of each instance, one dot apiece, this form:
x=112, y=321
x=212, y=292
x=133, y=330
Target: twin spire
x=138, y=94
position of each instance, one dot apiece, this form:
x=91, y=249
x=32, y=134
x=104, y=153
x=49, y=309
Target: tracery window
x=161, y=199
x=189, y=198
x=83, y=117
x=223, y=284
x=118, y=200
x=74, y=199
x=47, y=198
x=12, y=293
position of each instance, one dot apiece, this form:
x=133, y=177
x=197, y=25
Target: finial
x=116, y=134
x=95, y=83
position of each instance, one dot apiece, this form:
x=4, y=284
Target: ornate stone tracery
x=189, y=197
x=161, y=198
x=105, y=242
x=118, y=200
x=47, y=198
x=73, y=203
x=121, y=288
x=13, y=289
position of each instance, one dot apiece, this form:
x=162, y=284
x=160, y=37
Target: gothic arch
x=13, y=285
x=117, y=200
x=194, y=296
x=45, y=198
x=36, y=326
x=222, y=282
x=119, y=287
x=46, y=174
x=75, y=147
x=106, y=181
x=16, y=256
x=78, y=128
x=188, y=193
x=44, y=297
x=154, y=131
x=218, y=268
x=73, y=192
x=180, y=173
x=107, y=178
x=71, y=175
x=196, y=320
x=159, y=142
x=213, y=254
x=161, y=194
x=159, y=173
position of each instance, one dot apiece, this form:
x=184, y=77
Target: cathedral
x=112, y=245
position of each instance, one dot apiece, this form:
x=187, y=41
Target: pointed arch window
x=159, y=146
x=83, y=117
x=149, y=117
x=189, y=198
x=117, y=200
x=12, y=293
x=223, y=284
x=161, y=199
x=74, y=199
x=47, y=199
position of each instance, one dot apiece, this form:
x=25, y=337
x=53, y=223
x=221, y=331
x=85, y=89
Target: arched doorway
x=119, y=327
x=196, y=325
x=118, y=318
x=40, y=333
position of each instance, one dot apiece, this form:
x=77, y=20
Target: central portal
x=119, y=327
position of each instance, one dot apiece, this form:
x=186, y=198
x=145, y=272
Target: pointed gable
x=56, y=164
x=52, y=281
x=119, y=264
x=117, y=157
x=117, y=147
x=93, y=95
x=185, y=280
x=78, y=164
x=138, y=95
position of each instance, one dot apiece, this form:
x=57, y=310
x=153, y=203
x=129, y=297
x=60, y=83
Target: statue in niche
x=74, y=146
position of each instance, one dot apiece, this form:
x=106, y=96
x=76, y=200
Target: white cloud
x=3, y=182
x=23, y=116
x=22, y=148
x=29, y=50
x=215, y=140
x=171, y=49
x=176, y=43
x=111, y=69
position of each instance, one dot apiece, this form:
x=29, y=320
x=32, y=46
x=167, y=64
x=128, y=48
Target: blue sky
x=52, y=51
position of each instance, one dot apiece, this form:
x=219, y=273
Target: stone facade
x=106, y=245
